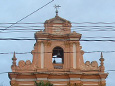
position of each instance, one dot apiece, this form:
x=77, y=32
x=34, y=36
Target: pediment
x=57, y=19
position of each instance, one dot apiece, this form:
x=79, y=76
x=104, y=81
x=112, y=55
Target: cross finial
x=56, y=7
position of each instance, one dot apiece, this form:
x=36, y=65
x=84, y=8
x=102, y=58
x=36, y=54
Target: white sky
x=72, y=10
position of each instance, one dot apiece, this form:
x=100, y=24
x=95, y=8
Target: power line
x=51, y=52
x=73, y=30
x=104, y=37
x=99, y=37
x=29, y=15
x=98, y=40
x=71, y=22
x=78, y=28
x=110, y=26
x=83, y=38
x=22, y=23
x=35, y=30
x=18, y=72
x=73, y=27
x=4, y=72
x=93, y=22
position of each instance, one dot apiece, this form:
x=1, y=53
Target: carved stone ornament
x=21, y=64
x=94, y=64
x=47, y=43
x=39, y=42
x=25, y=65
x=91, y=66
x=67, y=43
x=87, y=63
x=28, y=62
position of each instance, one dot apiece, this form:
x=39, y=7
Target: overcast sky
x=72, y=10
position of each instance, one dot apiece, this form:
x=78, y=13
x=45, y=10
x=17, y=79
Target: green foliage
x=48, y=84
x=41, y=83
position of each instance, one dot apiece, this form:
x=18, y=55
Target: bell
x=58, y=54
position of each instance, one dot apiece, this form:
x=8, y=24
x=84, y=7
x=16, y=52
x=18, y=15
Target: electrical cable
x=36, y=30
x=17, y=72
x=93, y=22
x=112, y=26
x=71, y=22
x=4, y=72
x=41, y=27
x=29, y=15
x=111, y=40
x=51, y=52
x=104, y=37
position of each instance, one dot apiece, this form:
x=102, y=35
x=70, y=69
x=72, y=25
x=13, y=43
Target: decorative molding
x=90, y=84
x=25, y=79
x=39, y=42
x=26, y=84
x=59, y=84
x=47, y=43
x=74, y=78
x=71, y=79
x=58, y=79
x=94, y=80
x=66, y=43
x=13, y=79
x=42, y=79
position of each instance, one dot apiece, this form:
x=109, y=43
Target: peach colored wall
x=74, y=69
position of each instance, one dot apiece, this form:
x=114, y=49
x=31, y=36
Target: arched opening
x=58, y=55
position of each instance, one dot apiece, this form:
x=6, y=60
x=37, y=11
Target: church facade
x=58, y=58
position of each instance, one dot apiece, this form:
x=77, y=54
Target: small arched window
x=58, y=55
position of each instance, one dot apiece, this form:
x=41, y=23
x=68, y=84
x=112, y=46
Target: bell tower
x=57, y=47
x=58, y=58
